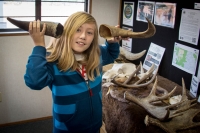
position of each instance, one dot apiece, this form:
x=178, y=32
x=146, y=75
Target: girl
x=72, y=68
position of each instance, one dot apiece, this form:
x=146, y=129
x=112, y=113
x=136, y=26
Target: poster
x=189, y=26
x=194, y=86
x=199, y=99
x=198, y=73
x=128, y=13
x=154, y=55
x=145, y=10
x=185, y=58
x=127, y=44
x=196, y=5
x=165, y=14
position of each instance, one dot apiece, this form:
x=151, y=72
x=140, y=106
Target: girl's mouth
x=80, y=43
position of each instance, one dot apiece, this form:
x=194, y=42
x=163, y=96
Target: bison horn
x=107, y=31
x=52, y=29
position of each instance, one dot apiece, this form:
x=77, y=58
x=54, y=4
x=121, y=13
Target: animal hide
x=128, y=117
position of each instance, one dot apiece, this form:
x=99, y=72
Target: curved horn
x=131, y=56
x=107, y=31
x=52, y=29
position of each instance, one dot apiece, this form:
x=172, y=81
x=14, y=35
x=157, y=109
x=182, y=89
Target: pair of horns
x=107, y=31
x=52, y=29
x=56, y=29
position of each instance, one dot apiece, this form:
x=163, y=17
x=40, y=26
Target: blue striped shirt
x=77, y=106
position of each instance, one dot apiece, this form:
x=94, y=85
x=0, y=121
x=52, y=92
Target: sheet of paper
x=199, y=99
x=196, y=5
x=127, y=44
x=154, y=55
x=145, y=10
x=198, y=73
x=165, y=14
x=185, y=58
x=128, y=13
x=194, y=86
x=189, y=26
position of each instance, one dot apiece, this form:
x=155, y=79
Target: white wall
x=18, y=101
x=106, y=12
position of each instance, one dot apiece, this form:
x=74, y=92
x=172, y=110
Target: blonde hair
x=60, y=49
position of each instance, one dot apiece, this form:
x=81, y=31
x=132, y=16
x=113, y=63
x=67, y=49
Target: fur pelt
x=123, y=117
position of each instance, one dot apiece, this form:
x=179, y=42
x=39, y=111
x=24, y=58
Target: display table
x=121, y=117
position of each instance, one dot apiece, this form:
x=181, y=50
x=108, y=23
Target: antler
x=137, y=84
x=185, y=121
x=185, y=104
x=160, y=112
x=117, y=93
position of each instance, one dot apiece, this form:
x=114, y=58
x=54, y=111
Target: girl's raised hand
x=116, y=38
x=36, y=34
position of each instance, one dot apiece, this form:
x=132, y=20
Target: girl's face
x=83, y=38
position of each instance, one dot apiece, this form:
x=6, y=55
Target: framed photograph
x=165, y=14
x=145, y=10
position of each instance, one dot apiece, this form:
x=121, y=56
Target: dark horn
x=107, y=31
x=52, y=29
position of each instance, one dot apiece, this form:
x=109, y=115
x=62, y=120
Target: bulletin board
x=167, y=34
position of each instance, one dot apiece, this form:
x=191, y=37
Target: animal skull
x=119, y=71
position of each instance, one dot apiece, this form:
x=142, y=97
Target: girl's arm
x=39, y=73
x=109, y=52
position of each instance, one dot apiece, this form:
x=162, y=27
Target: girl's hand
x=117, y=38
x=36, y=35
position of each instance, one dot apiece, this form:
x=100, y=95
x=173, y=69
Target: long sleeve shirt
x=77, y=105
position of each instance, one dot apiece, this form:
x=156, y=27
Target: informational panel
x=145, y=9
x=165, y=14
x=185, y=58
x=190, y=25
x=198, y=72
x=127, y=44
x=128, y=13
x=154, y=56
x=196, y=5
x=194, y=86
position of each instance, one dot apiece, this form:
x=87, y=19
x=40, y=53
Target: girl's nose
x=82, y=36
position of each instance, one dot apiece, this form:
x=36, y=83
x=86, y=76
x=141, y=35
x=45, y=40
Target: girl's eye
x=78, y=30
x=90, y=33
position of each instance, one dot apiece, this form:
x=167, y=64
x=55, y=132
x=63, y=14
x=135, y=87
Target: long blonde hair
x=60, y=49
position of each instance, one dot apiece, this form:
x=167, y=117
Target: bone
x=181, y=122
x=136, y=84
x=119, y=70
x=107, y=31
x=131, y=56
x=159, y=112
